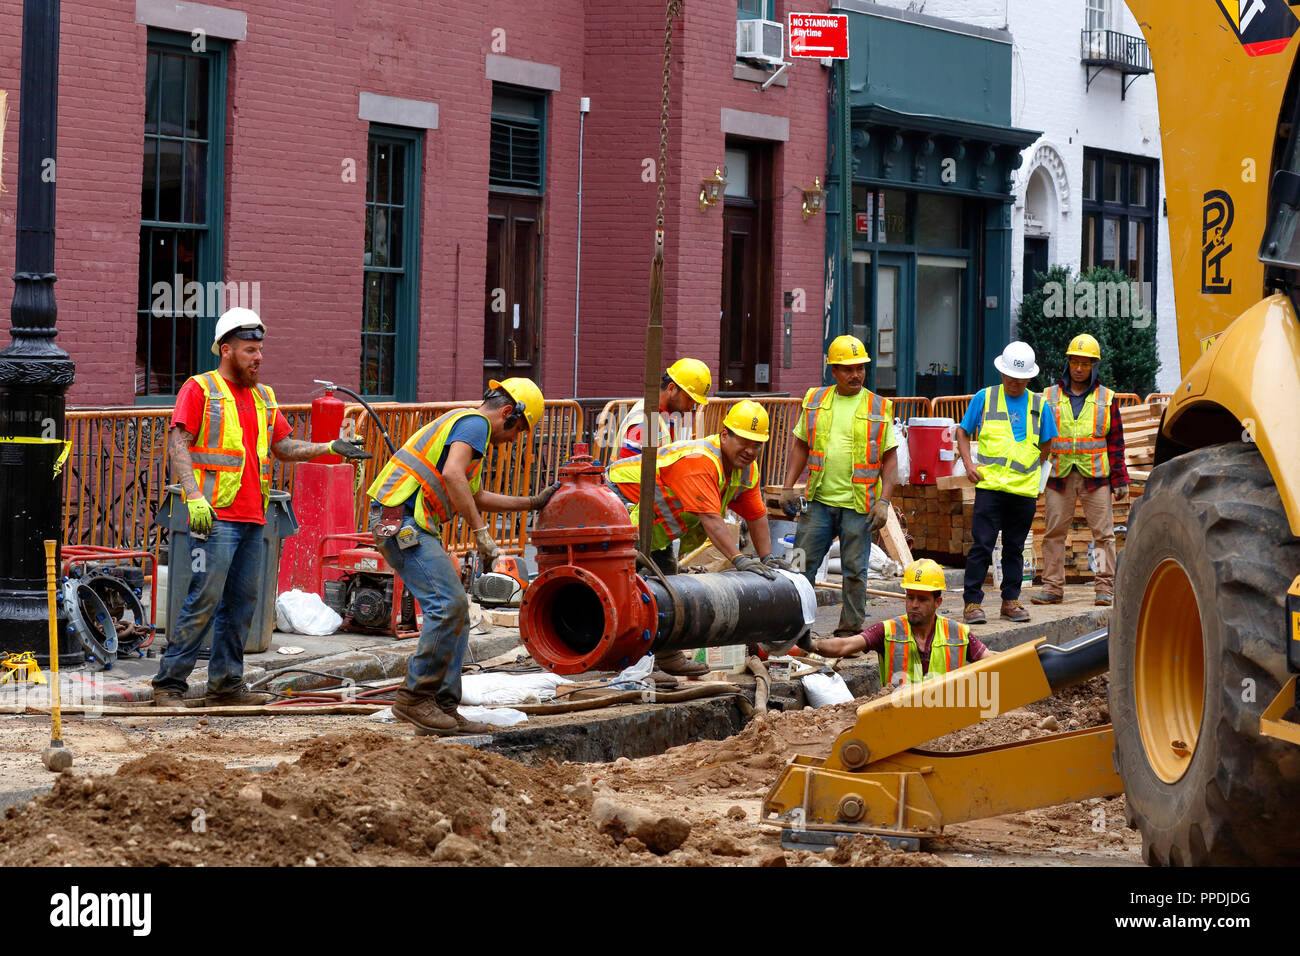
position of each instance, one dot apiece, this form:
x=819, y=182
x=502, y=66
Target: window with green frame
x=391, y=264
x=756, y=9
x=181, y=207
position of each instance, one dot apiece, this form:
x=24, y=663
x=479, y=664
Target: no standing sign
x=819, y=35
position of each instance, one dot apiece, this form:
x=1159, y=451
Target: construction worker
x=1014, y=439
x=224, y=430
x=696, y=482
x=437, y=473
x=919, y=644
x=684, y=386
x=845, y=437
x=1087, y=457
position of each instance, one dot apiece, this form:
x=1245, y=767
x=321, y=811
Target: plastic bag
x=904, y=458
x=497, y=689
x=302, y=612
x=635, y=677
x=825, y=689
x=496, y=716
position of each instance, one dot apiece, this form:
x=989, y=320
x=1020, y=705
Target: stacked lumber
x=1141, y=426
x=938, y=519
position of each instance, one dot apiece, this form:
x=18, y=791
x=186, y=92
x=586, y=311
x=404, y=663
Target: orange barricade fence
x=783, y=415
x=1158, y=398
x=905, y=408
x=951, y=406
x=604, y=435
x=1128, y=398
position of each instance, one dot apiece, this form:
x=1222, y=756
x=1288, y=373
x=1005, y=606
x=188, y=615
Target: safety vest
x=218, y=450
x=873, y=414
x=1080, y=442
x=902, y=656
x=672, y=521
x=415, y=466
x=1006, y=464
x=635, y=418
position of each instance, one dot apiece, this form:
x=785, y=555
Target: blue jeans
x=223, y=590
x=428, y=573
x=816, y=530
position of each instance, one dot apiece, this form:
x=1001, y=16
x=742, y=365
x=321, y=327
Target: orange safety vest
x=672, y=520
x=415, y=467
x=1081, y=443
x=218, y=450
x=902, y=656
x=875, y=415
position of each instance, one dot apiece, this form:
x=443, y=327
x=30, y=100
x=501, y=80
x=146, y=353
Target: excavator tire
x=1196, y=653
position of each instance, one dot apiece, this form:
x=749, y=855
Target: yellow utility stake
x=56, y=757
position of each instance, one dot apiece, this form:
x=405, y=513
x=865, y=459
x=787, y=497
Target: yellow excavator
x=1204, y=639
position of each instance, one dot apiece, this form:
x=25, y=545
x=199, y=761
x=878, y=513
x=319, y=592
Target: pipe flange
x=854, y=754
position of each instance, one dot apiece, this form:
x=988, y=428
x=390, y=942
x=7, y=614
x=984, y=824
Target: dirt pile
x=1074, y=708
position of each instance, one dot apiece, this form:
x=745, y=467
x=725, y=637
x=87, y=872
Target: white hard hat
x=233, y=319
x=1017, y=361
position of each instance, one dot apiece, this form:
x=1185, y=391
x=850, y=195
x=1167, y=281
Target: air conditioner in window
x=760, y=40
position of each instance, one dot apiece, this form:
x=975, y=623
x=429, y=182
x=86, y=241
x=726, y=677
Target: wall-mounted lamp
x=711, y=189
x=812, y=199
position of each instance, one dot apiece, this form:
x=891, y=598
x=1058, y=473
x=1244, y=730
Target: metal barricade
x=951, y=406
x=1157, y=398
x=1126, y=399
x=912, y=407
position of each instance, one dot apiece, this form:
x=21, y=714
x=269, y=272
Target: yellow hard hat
x=526, y=393
x=923, y=575
x=692, y=377
x=847, y=350
x=748, y=419
x=1084, y=345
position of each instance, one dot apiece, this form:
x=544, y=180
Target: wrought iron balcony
x=1109, y=50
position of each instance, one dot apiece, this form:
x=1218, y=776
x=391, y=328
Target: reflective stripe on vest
x=818, y=411
x=1081, y=443
x=672, y=521
x=1006, y=464
x=218, y=452
x=414, y=470
x=902, y=656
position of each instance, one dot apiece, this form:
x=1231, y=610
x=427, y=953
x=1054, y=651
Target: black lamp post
x=34, y=372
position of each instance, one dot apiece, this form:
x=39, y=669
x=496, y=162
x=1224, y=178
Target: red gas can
x=930, y=449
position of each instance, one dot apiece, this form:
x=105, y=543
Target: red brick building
x=394, y=185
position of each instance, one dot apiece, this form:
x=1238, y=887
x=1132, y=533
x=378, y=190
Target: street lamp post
x=34, y=372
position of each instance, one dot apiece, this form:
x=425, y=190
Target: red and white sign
x=819, y=35
x=862, y=224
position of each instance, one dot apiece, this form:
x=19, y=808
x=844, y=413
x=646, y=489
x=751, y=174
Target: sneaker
x=168, y=698
x=679, y=665
x=1014, y=611
x=1047, y=597
x=1104, y=600
x=974, y=615
x=424, y=712
x=242, y=697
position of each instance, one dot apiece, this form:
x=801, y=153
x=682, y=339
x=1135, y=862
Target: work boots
x=466, y=727
x=1014, y=611
x=974, y=614
x=679, y=665
x=241, y=697
x=168, y=698
x=425, y=713
x=1047, y=597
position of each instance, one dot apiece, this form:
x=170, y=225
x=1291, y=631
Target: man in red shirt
x=224, y=430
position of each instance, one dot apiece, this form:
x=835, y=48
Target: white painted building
x=1091, y=189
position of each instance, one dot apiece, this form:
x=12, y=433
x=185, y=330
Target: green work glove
x=349, y=448
x=879, y=513
x=747, y=562
x=201, y=515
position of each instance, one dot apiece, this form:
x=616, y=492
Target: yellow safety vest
x=415, y=467
x=1006, y=464
x=873, y=414
x=635, y=418
x=902, y=656
x=672, y=521
x=1080, y=442
x=218, y=450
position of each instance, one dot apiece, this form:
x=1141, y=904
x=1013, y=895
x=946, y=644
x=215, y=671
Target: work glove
x=879, y=513
x=747, y=562
x=1120, y=492
x=538, y=501
x=201, y=515
x=789, y=501
x=349, y=448
x=488, y=549
x=772, y=561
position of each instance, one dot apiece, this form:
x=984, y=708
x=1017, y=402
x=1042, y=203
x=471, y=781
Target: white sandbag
x=903, y=456
x=303, y=612
x=825, y=689
x=496, y=716
x=500, y=689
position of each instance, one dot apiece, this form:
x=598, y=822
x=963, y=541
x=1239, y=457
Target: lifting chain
x=674, y=11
